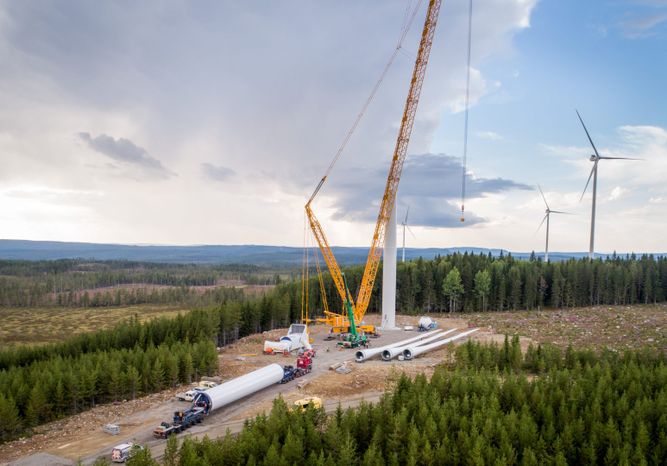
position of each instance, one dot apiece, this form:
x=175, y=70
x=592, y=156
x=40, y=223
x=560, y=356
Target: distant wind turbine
x=595, y=158
x=546, y=217
x=405, y=225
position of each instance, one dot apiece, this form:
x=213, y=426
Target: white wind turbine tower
x=405, y=225
x=595, y=158
x=546, y=217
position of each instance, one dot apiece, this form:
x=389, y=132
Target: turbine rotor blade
x=587, y=134
x=620, y=158
x=559, y=212
x=406, y=215
x=541, y=223
x=595, y=164
x=545, y=199
x=410, y=230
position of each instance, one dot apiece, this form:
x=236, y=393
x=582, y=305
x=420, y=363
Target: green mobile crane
x=353, y=338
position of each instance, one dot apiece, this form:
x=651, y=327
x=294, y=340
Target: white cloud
x=260, y=90
x=617, y=193
x=489, y=135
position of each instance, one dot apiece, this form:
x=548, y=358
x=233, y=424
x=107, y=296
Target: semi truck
x=181, y=421
x=207, y=401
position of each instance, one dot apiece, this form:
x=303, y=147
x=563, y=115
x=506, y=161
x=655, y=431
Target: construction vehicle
x=289, y=374
x=206, y=384
x=354, y=338
x=304, y=364
x=341, y=322
x=308, y=402
x=189, y=417
x=123, y=452
x=181, y=421
x=166, y=429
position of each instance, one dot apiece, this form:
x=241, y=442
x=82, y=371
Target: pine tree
x=170, y=457
x=10, y=422
x=36, y=407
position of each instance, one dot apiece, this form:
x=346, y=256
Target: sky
x=211, y=122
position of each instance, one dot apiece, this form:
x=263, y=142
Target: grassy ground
x=598, y=327
x=49, y=324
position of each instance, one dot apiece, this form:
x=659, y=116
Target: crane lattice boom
x=389, y=196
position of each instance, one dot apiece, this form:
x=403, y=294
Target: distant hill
x=219, y=254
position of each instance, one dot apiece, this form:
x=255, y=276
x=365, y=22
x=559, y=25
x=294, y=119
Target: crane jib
x=393, y=179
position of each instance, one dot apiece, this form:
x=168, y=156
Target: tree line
x=49, y=389
x=492, y=406
x=42, y=383
x=471, y=282
x=75, y=282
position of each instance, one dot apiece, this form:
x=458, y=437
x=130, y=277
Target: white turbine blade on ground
x=595, y=164
x=589, y=136
x=543, y=197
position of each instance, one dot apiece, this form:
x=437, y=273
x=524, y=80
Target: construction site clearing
x=335, y=378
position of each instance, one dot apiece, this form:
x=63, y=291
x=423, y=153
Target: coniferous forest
x=492, y=406
x=469, y=282
x=42, y=383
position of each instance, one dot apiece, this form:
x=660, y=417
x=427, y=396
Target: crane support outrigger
x=339, y=322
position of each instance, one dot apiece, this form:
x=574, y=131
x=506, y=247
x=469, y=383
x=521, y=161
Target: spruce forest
x=493, y=406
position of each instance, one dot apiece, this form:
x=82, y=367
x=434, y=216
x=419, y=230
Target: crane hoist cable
x=464, y=162
x=340, y=322
x=369, y=100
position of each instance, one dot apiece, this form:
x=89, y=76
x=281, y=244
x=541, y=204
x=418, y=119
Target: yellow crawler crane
x=339, y=322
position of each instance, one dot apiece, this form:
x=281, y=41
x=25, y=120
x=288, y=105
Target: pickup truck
x=191, y=394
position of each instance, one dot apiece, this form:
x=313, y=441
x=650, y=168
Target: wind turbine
x=405, y=225
x=595, y=158
x=546, y=217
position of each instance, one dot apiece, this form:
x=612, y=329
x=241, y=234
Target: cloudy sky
x=211, y=122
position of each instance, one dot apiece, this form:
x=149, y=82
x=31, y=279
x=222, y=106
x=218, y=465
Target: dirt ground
x=81, y=437
x=615, y=327
x=41, y=325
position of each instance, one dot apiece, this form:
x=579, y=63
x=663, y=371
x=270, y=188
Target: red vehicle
x=304, y=364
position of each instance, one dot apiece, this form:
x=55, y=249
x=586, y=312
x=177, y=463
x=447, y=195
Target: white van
x=121, y=453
